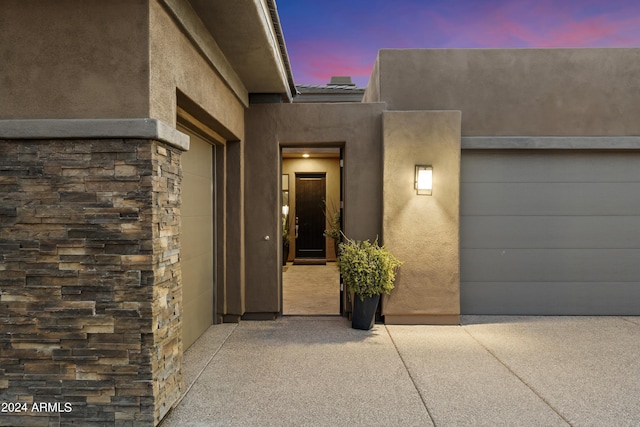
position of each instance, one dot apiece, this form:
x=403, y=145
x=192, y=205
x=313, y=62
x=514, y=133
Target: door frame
x=344, y=296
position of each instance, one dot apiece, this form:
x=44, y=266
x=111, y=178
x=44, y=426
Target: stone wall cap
x=143, y=128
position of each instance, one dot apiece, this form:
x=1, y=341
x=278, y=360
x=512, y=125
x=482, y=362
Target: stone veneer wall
x=90, y=286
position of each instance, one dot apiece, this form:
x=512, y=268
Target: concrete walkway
x=492, y=371
x=311, y=289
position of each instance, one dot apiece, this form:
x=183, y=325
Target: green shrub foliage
x=333, y=218
x=367, y=268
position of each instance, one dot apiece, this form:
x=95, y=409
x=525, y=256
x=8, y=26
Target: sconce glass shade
x=424, y=180
x=285, y=210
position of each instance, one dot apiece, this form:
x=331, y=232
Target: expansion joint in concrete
x=413, y=380
x=520, y=378
x=206, y=365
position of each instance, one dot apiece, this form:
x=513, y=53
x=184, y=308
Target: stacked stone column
x=90, y=294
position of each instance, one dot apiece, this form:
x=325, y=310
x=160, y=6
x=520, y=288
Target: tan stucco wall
x=181, y=76
x=71, y=59
x=422, y=231
x=517, y=91
x=372, y=93
x=356, y=126
x=115, y=59
x=175, y=64
x=332, y=168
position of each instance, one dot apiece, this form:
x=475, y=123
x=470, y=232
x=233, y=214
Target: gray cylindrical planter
x=364, y=312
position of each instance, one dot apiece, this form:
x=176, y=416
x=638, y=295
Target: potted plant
x=333, y=218
x=368, y=270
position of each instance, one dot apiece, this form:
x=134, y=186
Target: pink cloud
x=585, y=33
x=317, y=61
x=545, y=24
x=349, y=47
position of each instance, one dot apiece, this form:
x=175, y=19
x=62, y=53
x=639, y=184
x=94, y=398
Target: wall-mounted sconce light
x=285, y=210
x=424, y=180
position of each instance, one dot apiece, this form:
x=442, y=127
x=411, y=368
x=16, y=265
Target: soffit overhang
x=251, y=41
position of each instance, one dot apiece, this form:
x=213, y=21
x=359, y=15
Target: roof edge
x=277, y=28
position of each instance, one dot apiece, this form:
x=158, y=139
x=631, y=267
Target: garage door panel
x=550, y=199
x=194, y=312
x=196, y=238
x=198, y=186
x=199, y=157
x=550, y=298
x=540, y=166
x=193, y=288
x=193, y=229
x=554, y=232
x=549, y=265
x=550, y=232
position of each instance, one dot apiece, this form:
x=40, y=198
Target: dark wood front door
x=310, y=221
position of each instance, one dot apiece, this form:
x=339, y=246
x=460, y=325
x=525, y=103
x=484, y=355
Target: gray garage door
x=550, y=232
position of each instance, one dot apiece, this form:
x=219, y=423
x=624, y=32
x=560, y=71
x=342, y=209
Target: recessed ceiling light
x=305, y=155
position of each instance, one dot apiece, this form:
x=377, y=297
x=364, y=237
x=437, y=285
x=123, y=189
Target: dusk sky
x=342, y=37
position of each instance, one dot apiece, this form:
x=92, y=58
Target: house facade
x=141, y=188
x=122, y=137
x=549, y=183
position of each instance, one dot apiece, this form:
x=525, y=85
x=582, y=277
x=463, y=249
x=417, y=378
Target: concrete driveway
x=491, y=371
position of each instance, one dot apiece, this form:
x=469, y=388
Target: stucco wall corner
x=185, y=62
x=422, y=231
x=262, y=210
x=372, y=93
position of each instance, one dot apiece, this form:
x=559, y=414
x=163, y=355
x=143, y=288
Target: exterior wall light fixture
x=424, y=180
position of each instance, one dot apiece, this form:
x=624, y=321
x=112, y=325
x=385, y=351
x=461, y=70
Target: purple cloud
x=332, y=37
